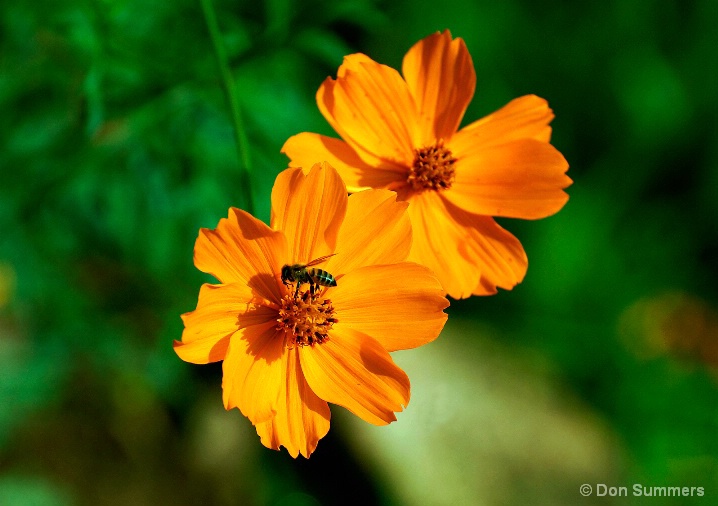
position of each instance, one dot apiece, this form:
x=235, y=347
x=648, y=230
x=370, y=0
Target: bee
x=300, y=273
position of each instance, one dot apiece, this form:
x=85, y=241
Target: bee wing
x=319, y=260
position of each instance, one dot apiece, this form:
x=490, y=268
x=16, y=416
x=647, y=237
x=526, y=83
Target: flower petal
x=521, y=179
x=306, y=148
x=252, y=371
x=242, y=249
x=221, y=311
x=441, y=79
x=399, y=305
x=370, y=107
x=302, y=418
x=376, y=230
x=309, y=210
x=353, y=370
x=499, y=254
x=525, y=117
x=440, y=244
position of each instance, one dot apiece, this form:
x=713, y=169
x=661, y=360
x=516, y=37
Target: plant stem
x=231, y=95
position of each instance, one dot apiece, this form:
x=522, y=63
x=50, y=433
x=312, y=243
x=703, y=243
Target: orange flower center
x=433, y=168
x=306, y=318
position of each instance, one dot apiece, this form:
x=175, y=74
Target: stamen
x=433, y=168
x=305, y=318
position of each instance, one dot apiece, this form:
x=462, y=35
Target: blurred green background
x=116, y=146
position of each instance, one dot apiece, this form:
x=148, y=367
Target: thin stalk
x=231, y=94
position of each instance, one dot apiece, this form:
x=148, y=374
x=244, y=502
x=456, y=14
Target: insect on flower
x=286, y=354
x=299, y=273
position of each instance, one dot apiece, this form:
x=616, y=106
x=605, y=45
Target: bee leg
x=296, y=291
x=312, y=289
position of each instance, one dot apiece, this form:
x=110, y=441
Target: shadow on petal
x=265, y=283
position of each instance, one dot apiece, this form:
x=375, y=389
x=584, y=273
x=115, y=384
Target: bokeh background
x=116, y=146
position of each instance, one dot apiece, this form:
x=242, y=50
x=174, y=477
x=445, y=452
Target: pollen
x=433, y=168
x=306, y=318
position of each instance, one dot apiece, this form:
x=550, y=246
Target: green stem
x=231, y=95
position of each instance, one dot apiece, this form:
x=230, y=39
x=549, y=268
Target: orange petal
x=242, y=249
x=440, y=244
x=221, y=311
x=325, y=94
x=252, y=371
x=353, y=370
x=499, y=254
x=399, y=305
x=302, y=418
x=376, y=230
x=305, y=149
x=525, y=117
x=370, y=107
x=521, y=179
x=309, y=210
x=441, y=79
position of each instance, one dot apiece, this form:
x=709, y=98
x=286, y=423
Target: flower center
x=433, y=168
x=306, y=318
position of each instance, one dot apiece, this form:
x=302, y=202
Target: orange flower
x=401, y=134
x=288, y=349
